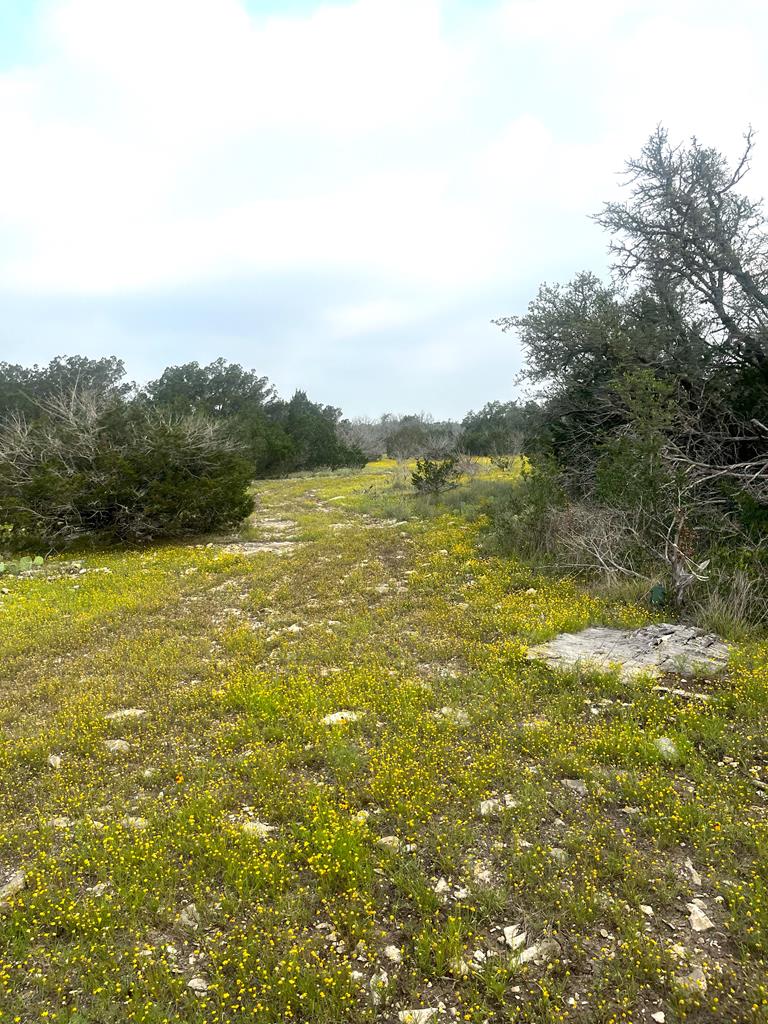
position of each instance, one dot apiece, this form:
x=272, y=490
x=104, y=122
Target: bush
x=433, y=476
x=522, y=521
x=104, y=468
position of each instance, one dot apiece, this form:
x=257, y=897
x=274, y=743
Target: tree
x=418, y=435
x=367, y=435
x=499, y=428
x=312, y=429
x=220, y=390
x=686, y=227
x=434, y=476
x=277, y=436
x=654, y=386
x=25, y=390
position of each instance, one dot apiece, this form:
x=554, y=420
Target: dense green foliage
x=85, y=454
x=654, y=388
x=499, y=428
x=277, y=436
x=433, y=476
x=101, y=467
x=24, y=390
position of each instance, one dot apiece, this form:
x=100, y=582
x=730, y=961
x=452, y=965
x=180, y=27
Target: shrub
x=522, y=519
x=101, y=467
x=433, y=476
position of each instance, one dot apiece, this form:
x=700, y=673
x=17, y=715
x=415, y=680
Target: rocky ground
x=310, y=773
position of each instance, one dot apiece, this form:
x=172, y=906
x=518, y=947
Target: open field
x=234, y=849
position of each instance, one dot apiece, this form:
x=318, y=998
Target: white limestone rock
x=655, y=650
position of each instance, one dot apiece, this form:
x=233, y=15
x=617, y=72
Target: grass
x=236, y=841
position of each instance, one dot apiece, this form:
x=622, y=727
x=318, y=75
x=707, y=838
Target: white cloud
x=349, y=321
x=177, y=141
x=124, y=149
x=165, y=144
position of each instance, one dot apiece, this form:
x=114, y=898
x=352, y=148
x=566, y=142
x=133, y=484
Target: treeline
x=277, y=435
x=84, y=453
x=499, y=428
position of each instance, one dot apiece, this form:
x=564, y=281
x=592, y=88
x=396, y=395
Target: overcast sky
x=343, y=194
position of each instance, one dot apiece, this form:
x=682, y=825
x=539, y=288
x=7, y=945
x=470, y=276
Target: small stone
x=699, y=920
x=540, y=952
x=695, y=876
x=659, y=1017
x=493, y=805
x=99, y=889
x=117, y=746
x=340, y=718
x=12, y=888
x=442, y=887
x=514, y=936
x=115, y=716
x=456, y=715
x=190, y=917
x=696, y=981
x=459, y=967
x=198, y=985
x=133, y=821
x=377, y=986
x=393, y=954
x=535, y=723
x=648, y=911
x=61, y=822
x=558, y=854
x=577, y=786
x=390, y=842
x=417, y=1016
x=666, y=747
x=481, y=873
x=54, y=760
x=258, y=828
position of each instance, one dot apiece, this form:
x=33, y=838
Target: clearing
x=309, y=774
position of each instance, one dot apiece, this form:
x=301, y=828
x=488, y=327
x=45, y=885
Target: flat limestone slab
x=249, y=547
x=652, y=650
x=275, y=525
